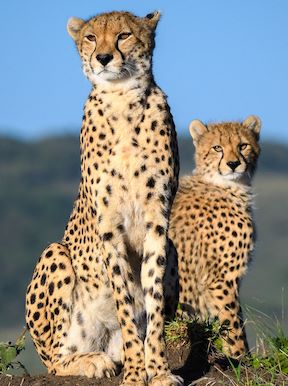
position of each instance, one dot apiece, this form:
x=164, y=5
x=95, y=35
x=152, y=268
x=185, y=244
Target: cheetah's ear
x=253, y=123
x=152, y=19
x=197, y=129
x=73, y=26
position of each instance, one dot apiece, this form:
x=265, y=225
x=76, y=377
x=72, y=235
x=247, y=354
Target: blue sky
x=216, y=60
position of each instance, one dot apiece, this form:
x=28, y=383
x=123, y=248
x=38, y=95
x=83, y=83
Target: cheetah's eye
x=243, y=146
x=124, y=35
x=217, y=148
x=91, y=38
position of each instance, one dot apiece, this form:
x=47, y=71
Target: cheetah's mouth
x=233, y=176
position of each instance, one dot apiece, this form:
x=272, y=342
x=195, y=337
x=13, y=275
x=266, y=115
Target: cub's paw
x=166, y=380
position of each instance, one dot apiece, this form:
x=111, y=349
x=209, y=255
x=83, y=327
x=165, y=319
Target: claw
x=107, y=374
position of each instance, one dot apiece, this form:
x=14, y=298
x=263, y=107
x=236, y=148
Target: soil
x=194, y=365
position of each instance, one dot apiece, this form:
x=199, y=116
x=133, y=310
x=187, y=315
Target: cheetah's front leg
x=152, y=276
x=119, y=273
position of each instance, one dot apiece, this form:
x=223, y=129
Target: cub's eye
x=91, y=38
x=124, y=35
x=243, y=146
x=217, y=148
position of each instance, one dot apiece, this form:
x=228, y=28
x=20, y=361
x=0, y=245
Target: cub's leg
x=49, y=306
x=152, y=278
x=222, y=302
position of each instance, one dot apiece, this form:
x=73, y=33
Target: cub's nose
x=233, y=164
x=104, y=58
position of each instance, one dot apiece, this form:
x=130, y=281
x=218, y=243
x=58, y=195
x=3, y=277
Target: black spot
x=100, y=112
x=51, y=288
x=149, y=196
x=153, y=125
x=46, y=328
x=116, y=270
x=102, y=136
x=107, y=236
x=36, y=316
x=109, y=189
x=128, y=300
x=150, y=182
x=162, y=132
x=43, y=279
x=161, y=260
x=32, y=299
x=128, y=344
x=62, y=266
x=49, y=253
x=67, y=280
x=85, y=267
x=53, y=267
x=137, y=130
x=160, y=230
x=157, y=296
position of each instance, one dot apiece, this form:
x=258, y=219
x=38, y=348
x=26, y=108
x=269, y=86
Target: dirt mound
x=194, y=365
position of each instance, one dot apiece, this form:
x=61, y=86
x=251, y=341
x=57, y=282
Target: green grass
x=267, y=365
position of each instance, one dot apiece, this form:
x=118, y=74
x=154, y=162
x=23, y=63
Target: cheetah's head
x=226, y=152
x=116, y=46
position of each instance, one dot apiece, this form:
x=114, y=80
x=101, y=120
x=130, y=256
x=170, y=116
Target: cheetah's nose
x=233, y=164
x=104, y=58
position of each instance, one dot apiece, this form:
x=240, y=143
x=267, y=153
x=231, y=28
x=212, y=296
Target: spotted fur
x=212, y=225
x=91, y=294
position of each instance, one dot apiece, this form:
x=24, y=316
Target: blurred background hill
x=39, y=181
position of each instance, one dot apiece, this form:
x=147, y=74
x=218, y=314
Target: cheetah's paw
x=93, y=365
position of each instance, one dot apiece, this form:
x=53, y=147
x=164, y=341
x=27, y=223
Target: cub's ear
x=152, y=19
x=253, y=123
x=197, y=129
x=73, y=26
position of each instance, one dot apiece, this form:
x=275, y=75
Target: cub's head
x=114, y=46
x=226, y=151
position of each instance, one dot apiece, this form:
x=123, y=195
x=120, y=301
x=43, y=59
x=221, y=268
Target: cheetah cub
x=91, y=293
x=212, y=225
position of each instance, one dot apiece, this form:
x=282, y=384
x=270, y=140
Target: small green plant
x=199, y=332
x=8, y=353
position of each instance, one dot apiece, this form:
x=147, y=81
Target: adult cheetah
x=212, y=225
x=91, y=292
